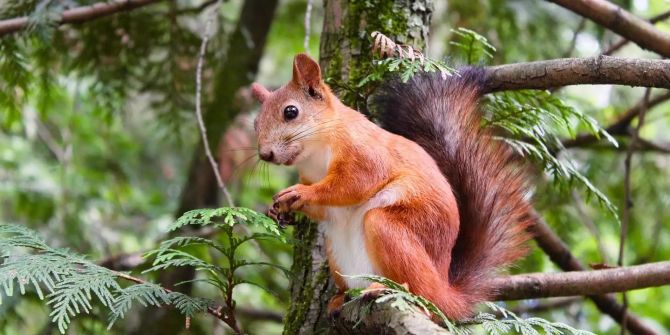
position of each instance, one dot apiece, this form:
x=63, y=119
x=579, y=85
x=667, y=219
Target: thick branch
x=356, y=318
x=385, y=319
x=565, y=284
x=79, y=14
x=620, y=43
x=621, y=22
x=559, y=253
x=578, y=71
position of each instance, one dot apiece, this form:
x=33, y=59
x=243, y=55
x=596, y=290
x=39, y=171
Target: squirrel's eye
x=290, y=112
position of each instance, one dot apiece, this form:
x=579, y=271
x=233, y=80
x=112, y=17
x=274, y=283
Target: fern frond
x=533, y=121
x=401, y=59
x=476, y=48
x=74, y=283
x=176, y=258
x=527, y=326
x=226, y=217
x=147, y=294
x=72, y=295
x=190, y=306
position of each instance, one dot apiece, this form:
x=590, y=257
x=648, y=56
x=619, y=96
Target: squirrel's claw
x=288, y=200
x=282, y=219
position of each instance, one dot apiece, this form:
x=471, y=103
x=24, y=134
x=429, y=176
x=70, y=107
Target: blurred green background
x=98, y=140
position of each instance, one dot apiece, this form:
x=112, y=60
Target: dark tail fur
x=442, y=116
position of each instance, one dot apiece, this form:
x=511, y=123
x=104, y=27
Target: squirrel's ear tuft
x=306, y=72
x=259, y=92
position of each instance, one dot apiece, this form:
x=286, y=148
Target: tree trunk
x=346, y=58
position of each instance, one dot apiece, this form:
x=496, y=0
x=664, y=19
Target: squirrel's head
x=293, y=117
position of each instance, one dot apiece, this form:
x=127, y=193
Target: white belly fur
x=343, y=226
x=344, y=231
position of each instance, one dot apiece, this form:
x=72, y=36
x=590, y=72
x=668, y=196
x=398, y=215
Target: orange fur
x=411, y=216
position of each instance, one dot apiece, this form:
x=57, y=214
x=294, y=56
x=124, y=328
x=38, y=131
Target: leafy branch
x=533, y=122
x=475, y=47
x=69, y=282
x=171, y=253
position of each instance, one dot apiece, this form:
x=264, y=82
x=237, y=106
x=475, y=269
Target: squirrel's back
x=442, y=116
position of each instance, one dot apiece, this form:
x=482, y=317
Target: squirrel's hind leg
x=398, y=254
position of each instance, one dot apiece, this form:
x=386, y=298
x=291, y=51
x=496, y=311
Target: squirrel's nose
x=267, y=156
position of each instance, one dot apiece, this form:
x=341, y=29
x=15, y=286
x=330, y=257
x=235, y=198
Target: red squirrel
x=432, y=202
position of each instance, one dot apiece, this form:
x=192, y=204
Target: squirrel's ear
x=259, y=92
x=307, y=73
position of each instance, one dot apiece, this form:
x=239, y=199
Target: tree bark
x=621, y=22
x=542, y=285
x=79, y=14
x=620, y=44
x=360, y=318
x=365, y=317
x=578, y=71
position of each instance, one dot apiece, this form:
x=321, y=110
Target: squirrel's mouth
x=292, y=158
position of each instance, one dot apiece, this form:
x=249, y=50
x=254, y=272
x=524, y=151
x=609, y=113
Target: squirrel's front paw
x=282, y=219
x=290, y=199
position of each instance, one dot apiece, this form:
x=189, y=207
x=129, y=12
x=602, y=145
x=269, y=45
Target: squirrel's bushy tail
x=442, y=116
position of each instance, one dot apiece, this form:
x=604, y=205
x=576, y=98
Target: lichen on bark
x=346, y=45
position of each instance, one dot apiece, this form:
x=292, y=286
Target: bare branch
x=575, y=35
x=566, y=284
x=578, y=71
x=79, y=14
x=198, y=109
x=385, y=319
x=559, y=253
x=642, y=145
x=620, y=43
x=621, y=22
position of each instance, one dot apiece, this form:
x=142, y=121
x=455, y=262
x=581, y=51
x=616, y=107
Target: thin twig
x=628, y=200
x=620, y=126
x=198, y=109
x=575, y=35
x=622, y=22
x=587, y=220
x=308, y=26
